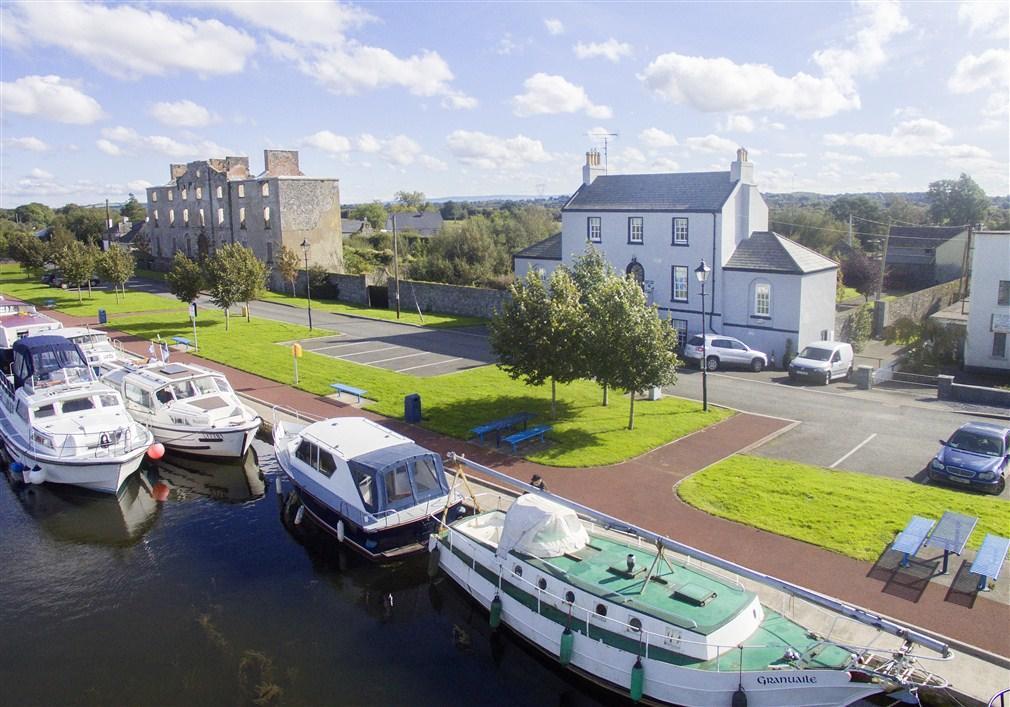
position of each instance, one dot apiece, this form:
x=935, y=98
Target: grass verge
x=585, y=433
x=408, y=316
x=853, y=514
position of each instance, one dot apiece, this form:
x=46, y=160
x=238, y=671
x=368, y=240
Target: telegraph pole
x=396, y=266
x=883, y=261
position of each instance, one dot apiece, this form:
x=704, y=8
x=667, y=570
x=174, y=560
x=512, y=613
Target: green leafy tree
x=117, y=266
x=928, y=345
x=87, y=225
x=77, y=263
x=287, y=263
x=861, y=273
x=235, y=275
x=60, y=236
x=34, y=215
x=590, y=271
x=28, y=252
x=957, y=203
x=466, y=255
x=814, y=228
x=868, y=219
x=410, y=201
x=374, y=213
x=133, y=210
x=185, y=278
x=858, y=327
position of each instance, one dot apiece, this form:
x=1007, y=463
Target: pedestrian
x=538, y=482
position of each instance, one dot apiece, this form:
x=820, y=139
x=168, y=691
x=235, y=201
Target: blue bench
x=989, y=560
x=496, y=426
x=181, y=340
x=350, y=389
x=536, y=431
x=912, y=537
x=50, y=303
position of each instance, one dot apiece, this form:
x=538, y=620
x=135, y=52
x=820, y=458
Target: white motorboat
x=188, y=408
x=366, y=485
x=663, y=623
x=18, y=320
x=61, y=425
x=95, y=344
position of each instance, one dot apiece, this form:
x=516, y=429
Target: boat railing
x=93, y=445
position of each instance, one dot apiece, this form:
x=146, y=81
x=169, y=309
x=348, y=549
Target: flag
x=150, y=350
x=164, y=353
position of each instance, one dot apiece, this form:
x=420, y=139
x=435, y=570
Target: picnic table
x=989, y=560
x=536, y=431
x=912, y=537
x=496, y=426
x=951, y=534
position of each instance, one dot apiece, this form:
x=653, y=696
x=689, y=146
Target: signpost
x=296, y=353
x=192, y=319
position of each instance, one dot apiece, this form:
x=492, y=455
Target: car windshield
x=813, y=354
x=968, y=441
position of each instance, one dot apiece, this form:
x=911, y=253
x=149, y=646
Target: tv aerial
x=606, y=137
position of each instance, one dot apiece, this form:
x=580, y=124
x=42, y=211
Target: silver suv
x=723, y=351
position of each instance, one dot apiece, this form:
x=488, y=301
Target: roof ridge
x=799, y=245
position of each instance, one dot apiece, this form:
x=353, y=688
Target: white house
x=986, y=346
x=763, y=288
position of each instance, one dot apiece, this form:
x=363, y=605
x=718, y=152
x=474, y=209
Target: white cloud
x=138, y=185
x=37, y=173
x=127, y=41
x=51, y=98
x=477, y=149
x=713, y=143
x=548, y=94
x=554, y=26
x=996, y=111
x=433, y=163
x=32, y=144
x=369, y=143
x=507, y=46
x=880, y=21
x=631, y=160
x=108, y=147
x=842, y=157
x=990, y=69
x=737, y=124
x=791, y=155
x=656, y=138
x=611, y=50
x=401, y=150
x=313, y=22
x=912, y=138
x=328, y=141
x=183, y=114
x=121, y=141
x=985, y=17
x=459, y=101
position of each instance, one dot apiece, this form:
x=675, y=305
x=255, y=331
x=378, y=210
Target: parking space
x=403, y=354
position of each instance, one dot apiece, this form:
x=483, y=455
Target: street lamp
x=701, y=272
x=308, y=287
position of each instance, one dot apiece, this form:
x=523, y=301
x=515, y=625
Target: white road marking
x=362, y=353
x=394, y=358
x=853, y=450
x=425, y=365
x=337, y=346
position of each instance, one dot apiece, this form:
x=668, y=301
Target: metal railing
x=95, y=445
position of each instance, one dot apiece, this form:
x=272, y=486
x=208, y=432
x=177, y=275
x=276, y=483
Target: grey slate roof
x=766, y=251
x=547, y=249
x=350, y=226
x=683, y=191
x=922, y=236
x=427, y=223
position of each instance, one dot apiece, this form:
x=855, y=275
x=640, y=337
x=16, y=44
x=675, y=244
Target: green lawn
x=408, y=316
x=853, y=514
x=849, y=293
x=20, y=286
x=155, y=275
x=586, y=434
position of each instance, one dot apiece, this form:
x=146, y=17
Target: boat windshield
x=183, y=390
x=399, y=477
x=968, y=441
x=76, y=404
x=812, y=354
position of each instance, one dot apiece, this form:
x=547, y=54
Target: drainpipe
x=715, y=265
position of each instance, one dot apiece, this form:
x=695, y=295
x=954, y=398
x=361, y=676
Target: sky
x=471, y=99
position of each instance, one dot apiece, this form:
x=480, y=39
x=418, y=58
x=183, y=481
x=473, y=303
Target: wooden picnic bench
x=496, y=426
x=989, y=560
x=535, y=431
x=350, y=389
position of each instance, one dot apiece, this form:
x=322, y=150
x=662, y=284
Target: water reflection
x=228, y=481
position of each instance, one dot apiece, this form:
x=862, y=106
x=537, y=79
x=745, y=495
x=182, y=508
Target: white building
x=989, y=293
x=763, y=288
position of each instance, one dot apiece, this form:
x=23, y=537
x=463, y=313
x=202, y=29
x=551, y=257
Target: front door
x=636, y=271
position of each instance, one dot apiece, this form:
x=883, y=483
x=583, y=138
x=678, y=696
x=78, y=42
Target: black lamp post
x=308, y=287
x=701, y=272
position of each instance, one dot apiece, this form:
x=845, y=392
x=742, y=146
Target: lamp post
x=308, y=286
x=701, y=272
x=396, y=266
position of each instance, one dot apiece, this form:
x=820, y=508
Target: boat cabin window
x=306, y=452
x=136, y=394
x=109, y=400
x=426, y=476
x=44, y=411
x=164, y=395
x=326, y=465
x=183, y=390
x=205, y=385
x=22, y=411
x=398, y=485
x=366, y=486
x=77, y=405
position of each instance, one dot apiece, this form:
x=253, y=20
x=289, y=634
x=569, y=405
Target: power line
x=871, y=235
x=903, y=223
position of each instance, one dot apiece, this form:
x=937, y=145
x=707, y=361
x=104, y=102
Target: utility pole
x=962, y=285
x=850, y=230
x=883, y=261
x=396, y=265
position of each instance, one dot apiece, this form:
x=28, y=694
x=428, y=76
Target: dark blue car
x=976, y=456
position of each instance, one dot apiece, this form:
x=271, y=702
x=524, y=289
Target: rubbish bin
x=412, y=408
x=103, y=318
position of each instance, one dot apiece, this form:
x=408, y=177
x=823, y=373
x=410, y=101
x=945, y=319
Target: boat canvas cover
x=42, y=355
x=542, y=528
x=384, y=461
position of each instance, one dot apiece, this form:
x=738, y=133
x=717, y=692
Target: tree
x=590, y=271
x=117, y=266
x=133, y=210
x=87, y=225
x=411, y=200
x=235, y=275
x=862, y=273
x=287, y=264
x=28, y=252
x=185, y=279
x=929, y=345
x=466, y=255
x=77, y=263
x=374, y=213
x=868, y=218
x=814, y=228
x=35, y=215
x=957, y=203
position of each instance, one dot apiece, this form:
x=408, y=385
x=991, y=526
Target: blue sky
x=501, y=98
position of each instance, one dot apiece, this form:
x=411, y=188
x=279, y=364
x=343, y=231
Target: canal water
x=191, y=589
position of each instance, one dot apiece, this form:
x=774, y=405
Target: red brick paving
x=641, y=491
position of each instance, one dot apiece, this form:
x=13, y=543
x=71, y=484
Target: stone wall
x=350, y=288
x=916, y=306
x=947, y=389
x=448, y=299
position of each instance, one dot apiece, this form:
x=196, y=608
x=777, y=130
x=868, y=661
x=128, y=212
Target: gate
x=378, y=297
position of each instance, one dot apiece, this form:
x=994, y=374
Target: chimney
x=593, y=167
x=177, y=170
x=741, y=170
x=281, y=163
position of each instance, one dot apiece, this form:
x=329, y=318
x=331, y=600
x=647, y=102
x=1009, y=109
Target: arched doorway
x=202, y=246
x=636, y=270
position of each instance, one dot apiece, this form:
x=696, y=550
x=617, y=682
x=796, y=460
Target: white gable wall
x=817, y=316
x=767, y=334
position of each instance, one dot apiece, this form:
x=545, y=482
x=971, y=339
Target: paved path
x=642, y=491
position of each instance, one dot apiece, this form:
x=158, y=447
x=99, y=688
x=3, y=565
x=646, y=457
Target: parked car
x=822, y=362
x=58, y=280
x=47, y=278
x=976, y=456
x=722, y=350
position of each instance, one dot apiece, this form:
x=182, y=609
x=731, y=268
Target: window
x=306, y=453
x=199, y=191
x=636, y=229
x=762, y=299
x=265, y=189
x=678, y=287
x=680, y=325
x=1003, y=293
x=326, y=464
x=171, y=218
x=171, y=195
x=270, y=252
x=77, y=405
x=184, y=195
x=44, y=411
x=426, y=477
x=158, y=241
x=594, y=229
x=635, y=624
x=154, y=196
x=601, y=609
x=397, y=485
x=241, y=217
x=203, y=220
x=219, y=192
x=220, y=216
x=999, y=345
x=198, y=176
x=241, y=190
x=135, y=394
x=189, y=247
x=266, y=217
x=680, y=231
x=366, y=486
x=185, y=217
x=155, y=218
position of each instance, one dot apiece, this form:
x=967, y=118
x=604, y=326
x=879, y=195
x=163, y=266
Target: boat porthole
x=570, y=597
x=517, y=571
x=542, y=583
x=601, y=610
x=636, y=624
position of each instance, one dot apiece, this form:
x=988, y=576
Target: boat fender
x=299, y=514
x=278, y=487
x=433, y=557
x=35, y=476
x=17, y=467
x=567, y=642
x=739, y=698
x=637, y=680
x=496, y=612
x=340, y=531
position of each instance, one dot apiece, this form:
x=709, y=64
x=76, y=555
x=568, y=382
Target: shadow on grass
x=964, y=587
x=458, y=418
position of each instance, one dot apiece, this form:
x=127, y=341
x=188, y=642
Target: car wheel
x=757, y=365
x=848, y=373
x=712, y=363
x=827, y=378
x=1000, y=487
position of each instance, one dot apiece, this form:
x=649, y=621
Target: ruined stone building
x=213, y=202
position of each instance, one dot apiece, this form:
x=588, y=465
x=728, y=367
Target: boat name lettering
x=786, y=679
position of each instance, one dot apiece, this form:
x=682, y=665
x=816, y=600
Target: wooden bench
x=350, y=389
x=912, y=537
x=536, y=431
x=989, y=560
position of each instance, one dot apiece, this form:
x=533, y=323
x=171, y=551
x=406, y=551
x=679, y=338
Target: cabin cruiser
x=63, y=426
x=370, y=487
x=18, y=320
x=95, y=344
x=661, y=622
x=189, y=408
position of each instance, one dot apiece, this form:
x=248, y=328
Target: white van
x=822, y=362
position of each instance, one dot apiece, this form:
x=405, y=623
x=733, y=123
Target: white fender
x=340, y=531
